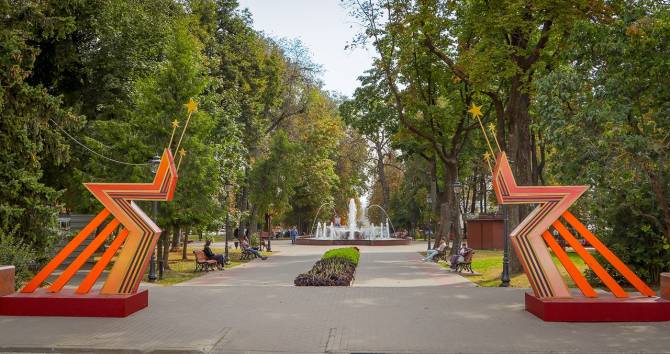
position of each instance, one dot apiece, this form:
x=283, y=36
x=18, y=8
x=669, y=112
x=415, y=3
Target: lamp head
x=154, y=162
x=458, y=187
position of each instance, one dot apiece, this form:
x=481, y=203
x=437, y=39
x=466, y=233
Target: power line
x=95, y=152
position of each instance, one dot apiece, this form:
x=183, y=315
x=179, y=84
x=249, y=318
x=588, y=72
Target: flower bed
x=335, y=268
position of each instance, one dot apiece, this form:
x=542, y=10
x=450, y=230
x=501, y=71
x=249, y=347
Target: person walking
x=294, y=234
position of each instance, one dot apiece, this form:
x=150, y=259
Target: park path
x=379, y=266
x=401, y=266
x=254, y=308
x=279, y=269
x=244, y=319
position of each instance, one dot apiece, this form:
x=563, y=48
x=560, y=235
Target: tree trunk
x=520, y=146
x=243, y=202
x=433, y=186
x=475, y=184
x=443, y=223
x=483, y=206
x=253, y=220
x=159, y=257
x=381, y=172
x=183, y=250
x=659, y=195
x=166, y=247
x=449, y=214
x=175, y=238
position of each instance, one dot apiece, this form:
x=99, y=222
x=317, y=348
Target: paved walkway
x=402, y=267
x=263, y=314
x=391, y=266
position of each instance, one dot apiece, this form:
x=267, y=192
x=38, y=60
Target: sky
x=324, y=27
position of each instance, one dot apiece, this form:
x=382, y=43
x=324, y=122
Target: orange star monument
x=533, y=243
x=134, y=240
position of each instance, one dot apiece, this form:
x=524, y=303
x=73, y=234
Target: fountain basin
x=311, y=241
x=354, y=233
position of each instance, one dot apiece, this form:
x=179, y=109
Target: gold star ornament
x=182, y=152
x=175, y=124
x=492, y=128
x=192, y=106
x=476, y=111
x=487, y=156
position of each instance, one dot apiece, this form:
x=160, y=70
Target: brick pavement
x=267, y=318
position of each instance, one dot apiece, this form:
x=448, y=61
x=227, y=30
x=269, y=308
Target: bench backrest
x=200, y=256
x=468, y=256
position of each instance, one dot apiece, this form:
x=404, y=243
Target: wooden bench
x=444, y=255
x=246, y=254
x=202, y=263
x=467, y=262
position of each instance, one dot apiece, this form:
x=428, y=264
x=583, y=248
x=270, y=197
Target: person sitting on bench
x=460, y=256
x=435, y=252
x=219, y=258
x=246, y=248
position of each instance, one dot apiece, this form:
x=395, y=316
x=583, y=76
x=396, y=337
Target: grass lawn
x=183, y=270
x=489, y=264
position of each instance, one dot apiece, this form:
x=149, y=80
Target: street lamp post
x=154, y=162
x=429, y=201
x=228, y=188
x=504, y=278
x=458, y=188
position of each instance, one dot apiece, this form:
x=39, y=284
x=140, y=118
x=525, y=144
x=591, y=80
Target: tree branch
x=428, y=42
x=283, y=116
x=541, y=43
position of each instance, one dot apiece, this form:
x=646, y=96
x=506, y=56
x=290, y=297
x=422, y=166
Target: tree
x=351, y=167
x=605, y=114
x=372, y=116
x=431, y=107
x=393, y=173
x=273, y=180
x=30, y=136
x=494, y=67
x=318, y=132
x=409, y=208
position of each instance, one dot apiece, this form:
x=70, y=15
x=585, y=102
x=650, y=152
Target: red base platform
x=605, y=309
x=67, y=303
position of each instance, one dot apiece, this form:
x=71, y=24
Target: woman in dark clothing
x=219, y=258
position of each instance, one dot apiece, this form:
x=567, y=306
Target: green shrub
x=352, y=254
x=335, y=268
x=14, y=252
x=254, y=240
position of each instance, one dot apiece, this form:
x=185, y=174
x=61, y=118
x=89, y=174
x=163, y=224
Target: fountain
x=352, y=219
x=355, y=232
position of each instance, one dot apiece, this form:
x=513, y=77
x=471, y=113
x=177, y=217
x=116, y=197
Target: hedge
x=350, y=253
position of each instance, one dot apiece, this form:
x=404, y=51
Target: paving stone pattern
x=254, y=308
